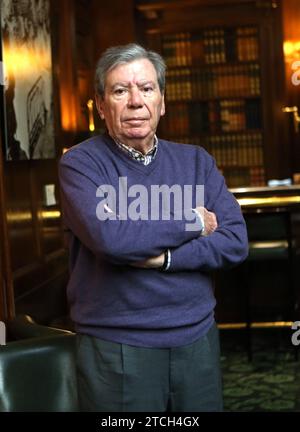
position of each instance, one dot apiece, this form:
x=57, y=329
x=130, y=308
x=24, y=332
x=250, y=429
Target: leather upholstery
x=23, y=326
x=38, y=373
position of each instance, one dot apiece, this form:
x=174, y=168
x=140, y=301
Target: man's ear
x=163, y=106
x=99, y=105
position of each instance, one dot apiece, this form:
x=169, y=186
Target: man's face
x=132, y=103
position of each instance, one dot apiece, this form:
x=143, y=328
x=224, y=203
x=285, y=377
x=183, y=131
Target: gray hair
x=117, y=55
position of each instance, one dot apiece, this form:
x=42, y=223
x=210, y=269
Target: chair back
x=38, y=374
x=269, y=234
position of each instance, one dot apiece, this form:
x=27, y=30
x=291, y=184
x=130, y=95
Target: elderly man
x=148, y=221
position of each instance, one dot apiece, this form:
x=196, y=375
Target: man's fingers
x=210, y=222
x=214, y=220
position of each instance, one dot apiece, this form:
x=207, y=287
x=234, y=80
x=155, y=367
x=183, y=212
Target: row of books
x=214, y=89
x=239, y=177
x=236, y=115
x=228, y=115
x=214, y=82
x=248, y=155
x=211, y=46
x=257, y=176
x=232, y=150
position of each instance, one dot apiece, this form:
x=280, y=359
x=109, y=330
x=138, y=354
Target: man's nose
x=135, y=99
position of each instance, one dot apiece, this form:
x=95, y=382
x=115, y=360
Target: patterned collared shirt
x=145, y=159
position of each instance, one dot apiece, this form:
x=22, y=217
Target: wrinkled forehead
x=134, y=71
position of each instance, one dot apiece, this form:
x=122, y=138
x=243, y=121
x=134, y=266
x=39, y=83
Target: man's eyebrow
x=120, y=84
x=127, y=84
x=143, y=82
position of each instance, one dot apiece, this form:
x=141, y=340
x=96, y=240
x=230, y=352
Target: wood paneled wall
x=113, y=24
x=33, y=258
x=291, y=34
x=33, y=253
x=34, y=231
x=7, y=309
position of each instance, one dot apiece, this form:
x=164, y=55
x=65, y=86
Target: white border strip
x=1, y=73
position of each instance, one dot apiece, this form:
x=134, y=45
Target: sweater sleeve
x=225, y=247
x=119, y=241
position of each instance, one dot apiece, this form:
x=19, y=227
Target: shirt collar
x=145, y=159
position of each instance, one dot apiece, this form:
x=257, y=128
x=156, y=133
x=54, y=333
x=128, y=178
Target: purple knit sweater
x=111, y=299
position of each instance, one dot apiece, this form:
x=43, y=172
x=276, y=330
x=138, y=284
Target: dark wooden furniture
x=267, y=281
x=225, y=82
x=270, y=241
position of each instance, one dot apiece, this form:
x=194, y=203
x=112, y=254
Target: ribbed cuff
x=200, y=218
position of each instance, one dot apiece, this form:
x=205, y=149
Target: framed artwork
x=28, y=123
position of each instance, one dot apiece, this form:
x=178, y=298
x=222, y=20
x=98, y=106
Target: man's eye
x=119, y=92
x=148, y=89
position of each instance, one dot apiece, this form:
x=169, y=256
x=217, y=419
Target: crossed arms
x=210, y=224
x=142, y=242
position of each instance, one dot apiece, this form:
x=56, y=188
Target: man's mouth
x=135, y=121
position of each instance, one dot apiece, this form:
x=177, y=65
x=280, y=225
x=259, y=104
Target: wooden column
x=7, y=307
x=66, y=63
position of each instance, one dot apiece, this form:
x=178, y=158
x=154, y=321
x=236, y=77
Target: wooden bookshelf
x=219, y=90
x=214, y=99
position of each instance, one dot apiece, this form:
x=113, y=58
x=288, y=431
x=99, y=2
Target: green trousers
x=115, y=377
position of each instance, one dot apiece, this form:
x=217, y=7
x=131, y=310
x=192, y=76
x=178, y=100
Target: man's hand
x=153, y=262
x=210, y=225
x=210, y=221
